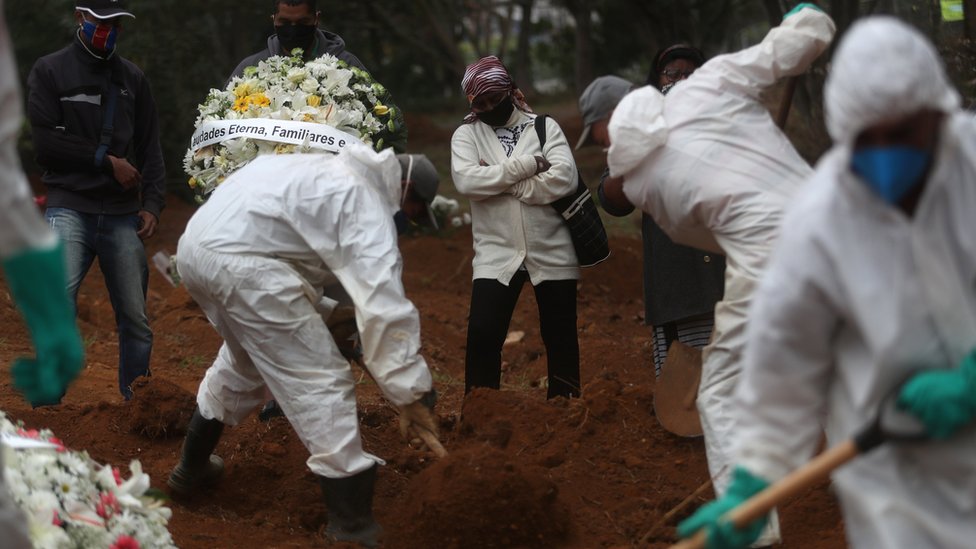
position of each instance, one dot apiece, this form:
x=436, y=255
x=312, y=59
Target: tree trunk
x=523, y=59
x=969, y=18
x=584, y=47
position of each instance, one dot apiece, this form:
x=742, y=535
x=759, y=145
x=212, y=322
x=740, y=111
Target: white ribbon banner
x=316, y=136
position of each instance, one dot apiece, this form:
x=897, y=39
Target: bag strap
x=540, y=129
x=108, y=116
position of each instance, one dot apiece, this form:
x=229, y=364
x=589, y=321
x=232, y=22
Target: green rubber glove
x=796, y=9
x=723, y=534
x=37, y=282
x=944, y=400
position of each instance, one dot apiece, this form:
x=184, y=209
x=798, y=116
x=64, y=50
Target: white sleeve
x=478, y=182
x=21, y=226
x=354, y=235
x=788, y=364
x=787, y=50
x=556, y=182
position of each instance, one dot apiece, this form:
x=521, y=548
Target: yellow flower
x=313, y=101
x=241, y=104
x=192, y=182
x=283, y=148
x=381, y=110
x=243, y=90
x=307, y=117
x=259, y=99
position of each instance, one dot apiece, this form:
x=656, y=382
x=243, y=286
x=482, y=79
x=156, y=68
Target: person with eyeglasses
x=708, y=162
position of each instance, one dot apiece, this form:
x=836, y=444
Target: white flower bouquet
x=286, y=105
x=70, y=501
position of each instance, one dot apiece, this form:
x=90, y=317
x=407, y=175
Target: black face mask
x=499, y=114
x=296, y=36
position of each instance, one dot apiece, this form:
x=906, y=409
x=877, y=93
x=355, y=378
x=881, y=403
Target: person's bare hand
x=482, y=162
x=126, y=174
x=147, y=225
x=541, y=165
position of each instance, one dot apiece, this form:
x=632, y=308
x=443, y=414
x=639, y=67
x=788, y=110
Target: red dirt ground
x=592, y=472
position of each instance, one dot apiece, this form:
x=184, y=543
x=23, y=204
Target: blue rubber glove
x=944, y=400
x=796, y=9
x=723, y=534
x=37, y=282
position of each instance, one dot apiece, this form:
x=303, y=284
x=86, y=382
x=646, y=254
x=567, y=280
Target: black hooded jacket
x=325, y=42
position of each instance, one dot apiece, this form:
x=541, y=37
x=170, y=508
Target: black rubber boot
x=270, y=410
x=198, y=466
x=350, y=503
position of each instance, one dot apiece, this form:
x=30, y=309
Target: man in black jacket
x=96, y=134
x=296, y=24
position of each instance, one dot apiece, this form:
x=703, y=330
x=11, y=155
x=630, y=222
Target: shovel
x=820, y=467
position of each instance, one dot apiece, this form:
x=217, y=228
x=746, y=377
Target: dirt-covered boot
x=198, y=466
x=350, y=503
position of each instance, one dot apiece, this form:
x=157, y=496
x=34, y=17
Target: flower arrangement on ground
x=71, y=501
x=286, y=105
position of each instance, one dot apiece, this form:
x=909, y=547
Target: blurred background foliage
x=419, y=49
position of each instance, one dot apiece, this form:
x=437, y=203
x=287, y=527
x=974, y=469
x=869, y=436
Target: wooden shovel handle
x=783, y=113
x=791, y=485
x=432, y=442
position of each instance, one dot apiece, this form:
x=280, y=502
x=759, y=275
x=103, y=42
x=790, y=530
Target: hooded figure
x=710, y=165
x=868, y=287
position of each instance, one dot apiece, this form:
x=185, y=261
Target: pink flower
x=56, y=520
x=117, y=475
x=107, y=505
x=125, y=542
x=60, y=445
x=33, y=433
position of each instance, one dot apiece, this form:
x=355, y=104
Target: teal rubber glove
x=796, y=9
x=37, y=282
x=944, y=400
x=723, y=534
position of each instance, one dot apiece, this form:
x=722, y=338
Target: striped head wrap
x=489, y=75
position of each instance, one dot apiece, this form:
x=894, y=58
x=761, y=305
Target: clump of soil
x=479, y=497
x=160, y=409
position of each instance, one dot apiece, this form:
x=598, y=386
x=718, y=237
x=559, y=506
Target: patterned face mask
x=101, y=36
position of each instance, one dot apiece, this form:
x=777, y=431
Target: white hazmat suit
x=710, y=165
x=255, y=257
x=858, y=295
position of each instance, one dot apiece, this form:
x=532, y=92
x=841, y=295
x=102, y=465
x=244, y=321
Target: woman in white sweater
x=498, y=163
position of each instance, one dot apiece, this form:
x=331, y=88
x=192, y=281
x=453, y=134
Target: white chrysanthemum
x=44, y=534
x=309, y=85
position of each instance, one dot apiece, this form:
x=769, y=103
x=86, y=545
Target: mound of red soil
x=479, y=497
x=162, y=409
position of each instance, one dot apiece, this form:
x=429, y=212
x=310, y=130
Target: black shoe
x=350, y=503
x=270, y=410
x=198, y=466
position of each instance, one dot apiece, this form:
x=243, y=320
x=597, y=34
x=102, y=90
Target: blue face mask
x=891, y=172
x=101, y=36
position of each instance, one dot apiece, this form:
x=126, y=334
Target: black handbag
x=579, y=212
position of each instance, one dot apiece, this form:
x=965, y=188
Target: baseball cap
x=598, y=101
x=421, y=176
x=104, y=9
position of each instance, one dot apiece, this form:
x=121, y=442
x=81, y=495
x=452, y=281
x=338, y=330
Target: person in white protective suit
x=872, y=283
x=710, y=166
x=255, y=257
x=34, y=270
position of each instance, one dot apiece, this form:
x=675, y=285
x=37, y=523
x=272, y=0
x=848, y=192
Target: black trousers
x=492, y=305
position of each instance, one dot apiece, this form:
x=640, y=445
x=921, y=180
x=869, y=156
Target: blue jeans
x=122, y=259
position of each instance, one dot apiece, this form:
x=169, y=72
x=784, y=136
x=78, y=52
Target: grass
x=193, y=361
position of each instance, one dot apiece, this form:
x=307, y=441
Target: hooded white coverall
x=857, y=296
x=21, y=227
x=710, y=165
x=255, y=257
